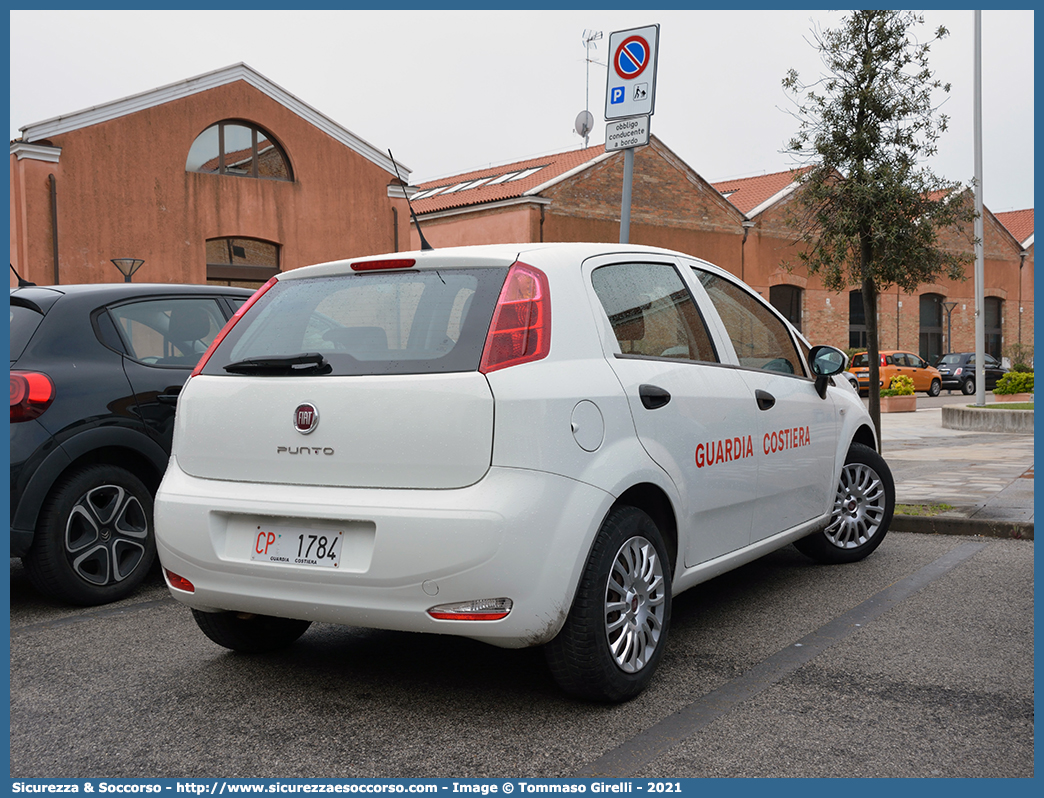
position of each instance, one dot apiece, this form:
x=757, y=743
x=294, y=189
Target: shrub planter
x=1012, y=397
x=898, y=404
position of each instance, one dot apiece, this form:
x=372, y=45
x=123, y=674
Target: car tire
x=935, y=388
x=968, y=387
x=862, y=513
x=616, y=631
x=94, y=542
x=250, y=634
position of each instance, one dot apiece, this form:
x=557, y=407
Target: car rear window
x=24, y=322
x=860, y=361
x=410, y=322
x=949, y=360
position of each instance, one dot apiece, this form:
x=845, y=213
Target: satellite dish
x=584, y=123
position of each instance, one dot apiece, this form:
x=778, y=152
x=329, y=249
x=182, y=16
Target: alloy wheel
x=859, y=507
x=105, y=535
x=635, y=604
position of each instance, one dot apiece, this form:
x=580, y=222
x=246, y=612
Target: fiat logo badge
x=306, y=418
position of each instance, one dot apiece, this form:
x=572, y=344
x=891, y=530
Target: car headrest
x=188, y=323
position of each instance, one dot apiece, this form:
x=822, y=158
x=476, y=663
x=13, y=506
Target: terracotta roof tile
x=1018, y=223
x=497, y=183
x=747, y=193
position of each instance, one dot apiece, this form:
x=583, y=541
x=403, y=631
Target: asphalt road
x=917, y=662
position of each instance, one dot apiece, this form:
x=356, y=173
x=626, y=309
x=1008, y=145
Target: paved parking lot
x=916, y=662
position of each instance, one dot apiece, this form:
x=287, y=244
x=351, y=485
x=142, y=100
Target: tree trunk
x=873, y=347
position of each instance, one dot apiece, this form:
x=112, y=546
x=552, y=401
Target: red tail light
x=521, y=327
x=883, y=360
x=231, y=323
x=179, y=582
x=31, y=394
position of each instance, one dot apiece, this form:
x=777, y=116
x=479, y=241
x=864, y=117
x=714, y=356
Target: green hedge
x=1015, y=382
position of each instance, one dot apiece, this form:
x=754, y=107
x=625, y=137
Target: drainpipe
x=395, y=229
x=898, y=313
x=1022, y=262
x=541, y=224
x=747, y=225
x=54, y=226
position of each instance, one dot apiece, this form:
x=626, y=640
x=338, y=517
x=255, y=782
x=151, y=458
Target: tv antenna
x=423, y=241
x=585, y=121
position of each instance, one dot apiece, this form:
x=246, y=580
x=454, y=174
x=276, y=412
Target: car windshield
x=385, y=322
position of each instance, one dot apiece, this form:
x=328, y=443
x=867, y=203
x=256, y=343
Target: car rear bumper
x=516, y=534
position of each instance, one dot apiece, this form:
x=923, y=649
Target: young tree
x=869, y=211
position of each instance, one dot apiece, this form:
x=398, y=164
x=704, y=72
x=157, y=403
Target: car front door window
x=760, y=338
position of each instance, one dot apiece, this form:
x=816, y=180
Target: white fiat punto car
x=535, y=444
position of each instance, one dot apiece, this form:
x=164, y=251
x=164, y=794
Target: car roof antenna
x=423, y=240
x=22, y=283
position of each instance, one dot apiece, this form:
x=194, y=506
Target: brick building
x=225, y=177
x=740, y=225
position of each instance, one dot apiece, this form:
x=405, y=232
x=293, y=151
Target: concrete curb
x=949, y=525
x=981, y=419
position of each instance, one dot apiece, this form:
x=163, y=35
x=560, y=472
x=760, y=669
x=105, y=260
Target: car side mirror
x=825, y=362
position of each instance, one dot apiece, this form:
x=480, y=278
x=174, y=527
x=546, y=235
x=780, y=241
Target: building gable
x=66, y=123
x=665, y=192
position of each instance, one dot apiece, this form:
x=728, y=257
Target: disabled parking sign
x=631, y=82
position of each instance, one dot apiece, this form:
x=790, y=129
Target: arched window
x=241, y=260
x=931, y=338
x=787, y=300
x=238, y=148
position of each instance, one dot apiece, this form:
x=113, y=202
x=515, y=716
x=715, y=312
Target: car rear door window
x=652, y=313
x=168, y=331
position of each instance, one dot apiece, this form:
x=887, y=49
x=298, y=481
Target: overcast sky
x=452, y=91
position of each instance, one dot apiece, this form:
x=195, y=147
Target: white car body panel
x=419, y=548
x=391, y=431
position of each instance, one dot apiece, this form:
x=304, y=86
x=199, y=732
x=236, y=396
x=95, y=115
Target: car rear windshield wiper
x=282, y=365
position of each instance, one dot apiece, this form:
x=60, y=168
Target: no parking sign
x=631, y=83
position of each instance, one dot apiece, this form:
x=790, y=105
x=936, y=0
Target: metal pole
x=980, y=316
x=625, y=207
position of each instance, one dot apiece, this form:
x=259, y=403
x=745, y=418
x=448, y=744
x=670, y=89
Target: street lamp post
x=127, y=266
x=948, y=307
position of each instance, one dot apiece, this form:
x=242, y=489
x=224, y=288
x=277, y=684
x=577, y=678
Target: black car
x=95, y=376
x=958, y=371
